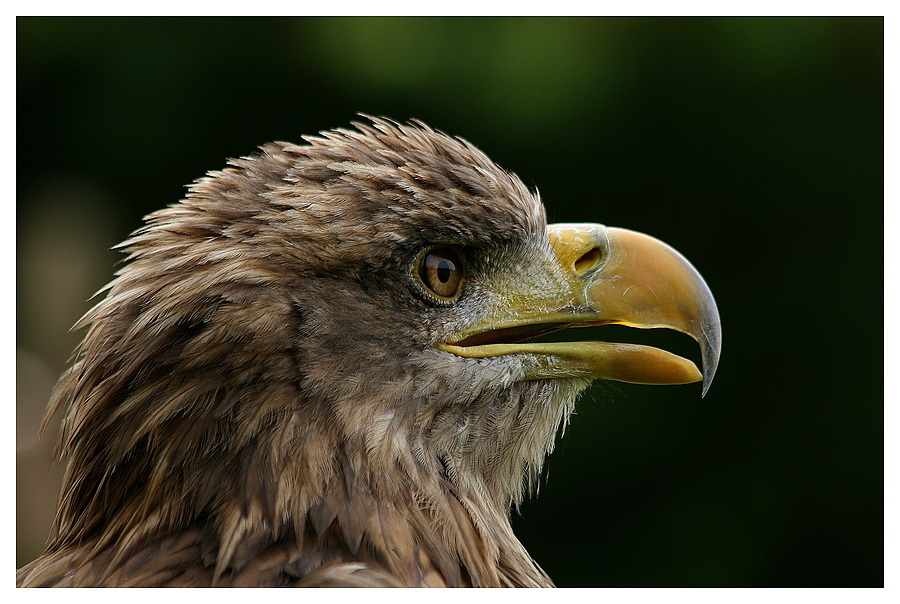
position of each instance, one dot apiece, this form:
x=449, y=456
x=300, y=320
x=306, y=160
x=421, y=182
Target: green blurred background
x=754, y=146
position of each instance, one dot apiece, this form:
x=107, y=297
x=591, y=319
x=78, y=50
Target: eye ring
x=440, y=272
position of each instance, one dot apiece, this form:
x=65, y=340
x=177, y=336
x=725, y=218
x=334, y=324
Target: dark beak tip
x=711, y=352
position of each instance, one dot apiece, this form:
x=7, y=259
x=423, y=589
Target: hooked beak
x=611, y=276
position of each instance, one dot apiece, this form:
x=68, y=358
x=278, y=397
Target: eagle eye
x=441, y=272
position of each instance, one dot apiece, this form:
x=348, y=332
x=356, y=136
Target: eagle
x=321, y=368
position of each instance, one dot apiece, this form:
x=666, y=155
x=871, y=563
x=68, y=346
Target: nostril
x=588, y=260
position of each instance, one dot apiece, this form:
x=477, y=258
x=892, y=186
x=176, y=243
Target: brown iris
x=441, y=271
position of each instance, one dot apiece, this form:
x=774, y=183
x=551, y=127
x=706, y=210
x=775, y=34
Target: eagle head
x=318, y=369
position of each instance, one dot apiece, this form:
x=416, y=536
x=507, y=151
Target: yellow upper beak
x=611, y=276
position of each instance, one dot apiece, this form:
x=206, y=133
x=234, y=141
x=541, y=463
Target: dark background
x=754, y=146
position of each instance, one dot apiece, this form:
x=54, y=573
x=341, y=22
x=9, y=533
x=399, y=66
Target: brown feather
x=257, y=400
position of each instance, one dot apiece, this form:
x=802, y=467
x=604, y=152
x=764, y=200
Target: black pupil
x=443, y=270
